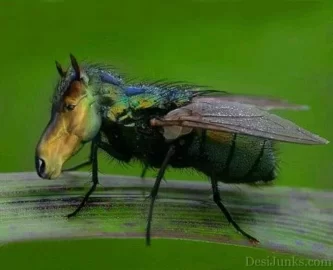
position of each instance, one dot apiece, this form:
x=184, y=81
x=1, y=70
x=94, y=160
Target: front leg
x=107, y=148
x=94, y=161
x=83, y=164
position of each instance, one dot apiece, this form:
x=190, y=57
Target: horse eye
x=69, y=107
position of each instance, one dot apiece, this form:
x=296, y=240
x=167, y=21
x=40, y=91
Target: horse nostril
x=40, y=166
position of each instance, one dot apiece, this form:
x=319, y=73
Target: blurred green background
x=274, y=48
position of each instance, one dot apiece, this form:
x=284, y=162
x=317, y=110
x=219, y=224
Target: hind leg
x=217, y=200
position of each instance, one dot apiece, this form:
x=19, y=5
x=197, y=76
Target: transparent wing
x=260, y=102
x=234, y=117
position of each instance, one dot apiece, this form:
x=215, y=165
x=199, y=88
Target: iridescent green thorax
x=137, y=99
x=118, y=101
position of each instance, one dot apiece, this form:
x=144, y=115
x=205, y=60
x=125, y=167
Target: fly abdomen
x=253, y=159
x=234, y=158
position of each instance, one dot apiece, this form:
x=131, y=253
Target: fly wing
x=233, y=117
x=264, y=103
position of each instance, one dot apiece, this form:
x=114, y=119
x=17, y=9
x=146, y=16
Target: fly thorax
x=119, y=111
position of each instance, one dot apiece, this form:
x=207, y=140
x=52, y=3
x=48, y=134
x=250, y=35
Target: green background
x=274, y=48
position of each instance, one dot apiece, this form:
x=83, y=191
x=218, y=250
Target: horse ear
x=61, y=72
x=75, y=66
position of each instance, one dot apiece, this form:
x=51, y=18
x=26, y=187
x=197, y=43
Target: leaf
x=297, y=221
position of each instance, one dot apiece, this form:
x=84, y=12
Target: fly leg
x=143, y=173
x=154, y=191
x=107, y=148
x=142, y=176
x=83, y=164
x=217, y=200
x=95, y=144
x=94, y=148
x=79, y=166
